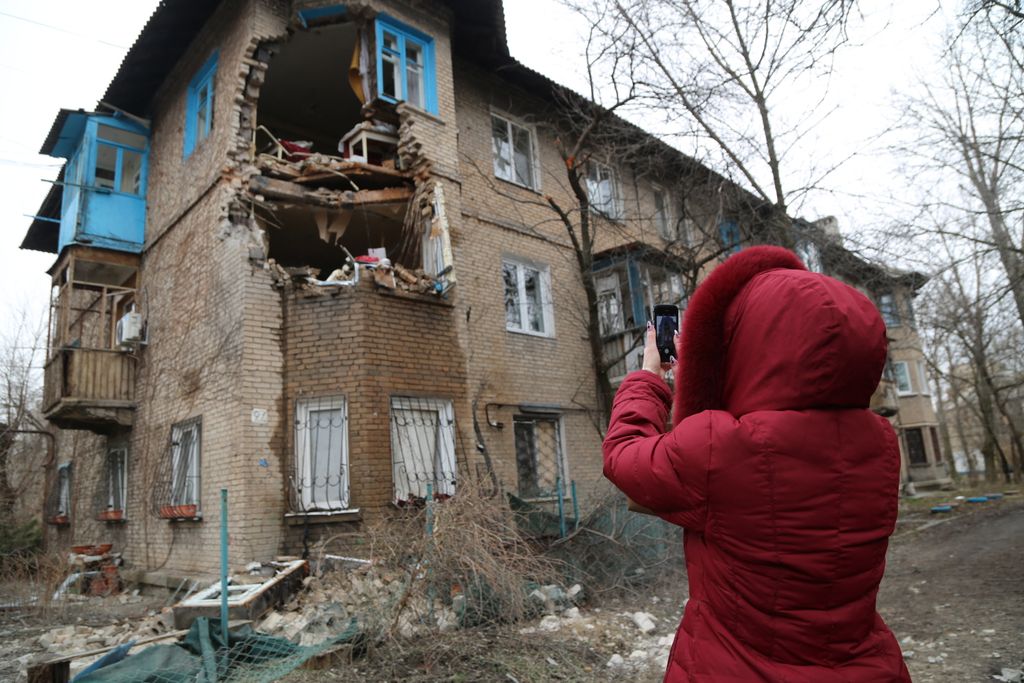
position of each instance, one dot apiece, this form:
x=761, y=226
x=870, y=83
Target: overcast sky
x=63, y=53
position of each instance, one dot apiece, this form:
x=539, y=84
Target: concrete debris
x=1009, y=675
x=615, y=661
x=645, y=622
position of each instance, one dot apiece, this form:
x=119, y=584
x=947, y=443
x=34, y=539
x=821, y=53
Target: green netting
x=203, y=657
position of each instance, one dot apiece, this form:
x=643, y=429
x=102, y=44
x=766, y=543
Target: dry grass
x=28, y=583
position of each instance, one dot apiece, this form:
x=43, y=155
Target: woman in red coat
x=783, y=479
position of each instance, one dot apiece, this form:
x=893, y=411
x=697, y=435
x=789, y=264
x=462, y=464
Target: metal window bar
x=319, y=477
x=540, y=462
x=423, y=449
x=58, y=499
x=111, y=486
x=176, y=494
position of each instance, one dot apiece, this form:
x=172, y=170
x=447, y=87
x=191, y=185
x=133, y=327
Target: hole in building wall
x=300, y=236
x=307, y=94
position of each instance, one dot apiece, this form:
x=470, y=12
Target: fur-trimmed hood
x=763, y=333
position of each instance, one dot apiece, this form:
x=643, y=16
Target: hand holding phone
x=666, y=325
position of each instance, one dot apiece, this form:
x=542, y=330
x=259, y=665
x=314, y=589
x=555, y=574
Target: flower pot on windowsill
x=179, y=511
x=58, y=520
x=111, y=516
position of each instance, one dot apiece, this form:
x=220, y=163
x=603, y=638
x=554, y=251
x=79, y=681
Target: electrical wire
x=63, y=30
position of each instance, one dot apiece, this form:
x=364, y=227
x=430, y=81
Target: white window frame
x=112, y=482
x=809, y=253
x=663, y=219
x=531, y=133
x=604, y=284
x=896, y=364
x=193, y=463
x=922, y=376
x=562, y=462
x=544, y=279
x=405, y=486
x=304, y=456
x=897, y=319
x=437, y=245
x=598, y=203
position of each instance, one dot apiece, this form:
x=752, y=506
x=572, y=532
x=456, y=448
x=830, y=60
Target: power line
x=63, y=30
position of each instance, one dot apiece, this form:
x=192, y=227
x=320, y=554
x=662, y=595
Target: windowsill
x=904, y=394
x=323, y=517
x=527, y=333
x=532, y=190
x=197, y=518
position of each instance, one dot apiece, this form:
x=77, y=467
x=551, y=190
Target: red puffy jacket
x=784, y=481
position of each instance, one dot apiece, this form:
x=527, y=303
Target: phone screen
x=666, y=324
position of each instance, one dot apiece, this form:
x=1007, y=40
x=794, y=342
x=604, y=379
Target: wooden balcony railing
x=89, y=389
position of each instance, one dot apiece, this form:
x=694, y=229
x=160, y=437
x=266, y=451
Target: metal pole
x=224, y=565
x=575, y=505
x=561, y=507
x=430, y=510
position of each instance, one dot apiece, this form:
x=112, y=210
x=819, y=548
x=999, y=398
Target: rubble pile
x=638, y=640
x=379, y=599
x=67, y=640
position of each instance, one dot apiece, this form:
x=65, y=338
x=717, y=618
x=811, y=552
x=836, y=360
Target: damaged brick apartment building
x=301, y=254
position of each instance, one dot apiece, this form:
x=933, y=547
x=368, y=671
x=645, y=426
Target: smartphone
x=666, y=324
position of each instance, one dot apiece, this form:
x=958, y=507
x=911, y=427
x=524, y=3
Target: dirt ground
x=953, y=594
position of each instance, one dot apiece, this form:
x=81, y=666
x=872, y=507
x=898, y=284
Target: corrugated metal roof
x=168, y=33
x=43, y=235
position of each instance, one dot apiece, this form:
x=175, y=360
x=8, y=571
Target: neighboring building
x=905, y=393
x=210, y=328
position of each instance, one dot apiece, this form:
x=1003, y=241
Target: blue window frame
x=729, y=234
x=405, y=65
x=199, y=105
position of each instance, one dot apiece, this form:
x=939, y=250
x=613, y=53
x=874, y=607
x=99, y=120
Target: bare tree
x=22, y=451
x=716, y=71
x=967, y=148
x=974, y=324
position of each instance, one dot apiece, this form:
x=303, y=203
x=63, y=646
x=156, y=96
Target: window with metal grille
x=540, y=462
x=185, y=460
x=422, y=448
x=914, y=441
x=117, y=479
x=321, y=477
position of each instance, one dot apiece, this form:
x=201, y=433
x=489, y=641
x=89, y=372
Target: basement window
x=405, y=65
x=914, y=441
x=540, y=461
x=199, y=105
x=422, y=448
